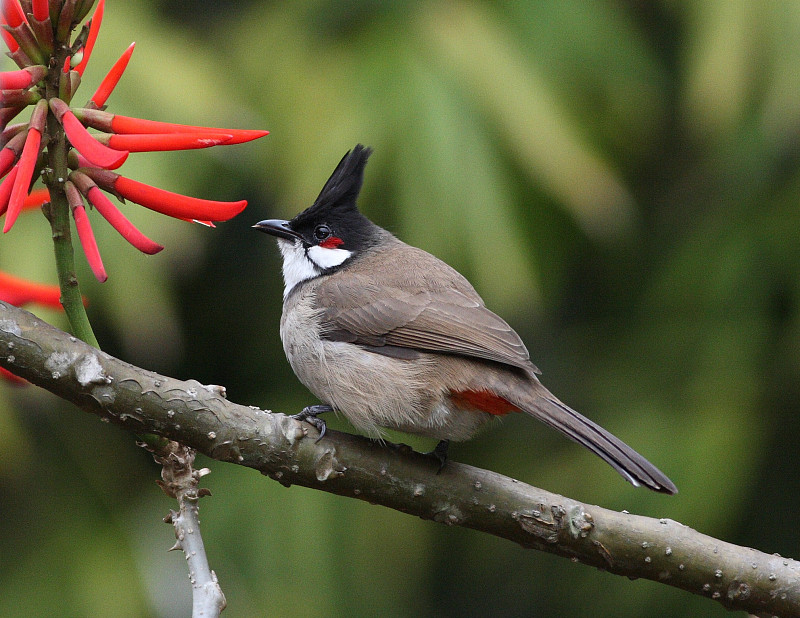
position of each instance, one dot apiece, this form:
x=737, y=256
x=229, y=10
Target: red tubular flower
x=165, y=202
x=23, y=177
x=94, y=151
x=5, y=190
x=176, y=205
x=89, y=244
x=21, y=292
x=8, y=38
x=24, y=78
x=11, y=152
x=39, y=22
x=85, y=233
x=41, y=9
x=13, y=13
x=120, y=223
x=36, y=198
x=124, y=124
x=26, y=164
x=84, y=162
x=94, y=28
x=150, y=142
x=7, y=158
x=112, y=214
x=111, y=80
x=115, y=123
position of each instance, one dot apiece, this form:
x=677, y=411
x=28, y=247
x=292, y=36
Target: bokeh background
x=619, y=179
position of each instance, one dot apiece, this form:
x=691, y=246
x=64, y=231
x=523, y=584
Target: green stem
x=71, y=298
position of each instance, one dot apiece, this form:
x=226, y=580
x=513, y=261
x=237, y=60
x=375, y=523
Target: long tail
x=619, y=455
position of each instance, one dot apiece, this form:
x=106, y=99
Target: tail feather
x=619, y=455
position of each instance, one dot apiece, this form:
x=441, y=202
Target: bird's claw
x=309, y=415
x=440, y=453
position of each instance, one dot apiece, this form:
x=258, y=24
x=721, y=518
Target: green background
x=619, y=180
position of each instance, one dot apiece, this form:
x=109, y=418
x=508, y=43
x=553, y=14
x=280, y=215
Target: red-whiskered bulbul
x=390, y=336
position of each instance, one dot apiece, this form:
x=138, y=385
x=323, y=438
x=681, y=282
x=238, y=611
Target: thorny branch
x=188, y=412
x=181, y=481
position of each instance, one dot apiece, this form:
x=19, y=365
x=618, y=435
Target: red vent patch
x=483, y=400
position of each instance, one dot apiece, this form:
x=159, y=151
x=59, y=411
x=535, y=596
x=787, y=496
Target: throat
x=296, y=265
x=301, y=263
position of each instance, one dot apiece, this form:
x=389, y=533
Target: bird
x=391, y=337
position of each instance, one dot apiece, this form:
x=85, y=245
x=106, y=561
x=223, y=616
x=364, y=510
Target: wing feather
x=432, y=311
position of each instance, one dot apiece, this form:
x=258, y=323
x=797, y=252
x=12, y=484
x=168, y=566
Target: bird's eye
x=321, y=232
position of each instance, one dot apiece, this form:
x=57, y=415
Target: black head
x=333, y=220
x=330, y=231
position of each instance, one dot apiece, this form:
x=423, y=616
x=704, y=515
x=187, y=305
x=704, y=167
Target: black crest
x=342, y=188
x=336, y=206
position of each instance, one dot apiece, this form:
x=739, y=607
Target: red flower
x=36, y=198
x=41, y=9
x=110, y=81
x=85, y=232
x=24, y=78
x=9, y=39
x=150, y=142
x=94, y=151
x=94, y=28
x=165, y=202
x=112, y=214
x=26, y=164
x=13, y=13
x=37, y=32
x=114, y=123
x=22, y=292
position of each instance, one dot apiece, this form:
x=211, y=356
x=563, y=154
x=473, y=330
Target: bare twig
x=145, y=402
x=181, y=481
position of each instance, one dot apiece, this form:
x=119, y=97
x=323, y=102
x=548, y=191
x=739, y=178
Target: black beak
x=279, y=228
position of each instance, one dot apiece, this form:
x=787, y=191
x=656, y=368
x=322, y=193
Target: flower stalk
x=58, y=214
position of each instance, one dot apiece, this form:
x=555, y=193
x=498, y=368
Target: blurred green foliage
x=619, y=179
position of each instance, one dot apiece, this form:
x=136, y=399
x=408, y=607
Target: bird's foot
x=440, y=453
x=397, y=447
x=309, y=415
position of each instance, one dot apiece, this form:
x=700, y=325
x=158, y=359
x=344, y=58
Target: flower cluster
x=51, y=63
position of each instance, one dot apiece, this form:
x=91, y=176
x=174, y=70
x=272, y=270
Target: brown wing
x=433, y=310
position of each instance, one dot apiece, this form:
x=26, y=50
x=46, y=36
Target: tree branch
x=200, y=417
x=181, y=481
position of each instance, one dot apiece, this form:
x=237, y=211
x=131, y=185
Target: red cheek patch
x=331, y=243
x=483, y=400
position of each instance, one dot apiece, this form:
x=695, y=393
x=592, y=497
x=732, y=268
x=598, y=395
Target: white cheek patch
x=300, y=264
x=327, y=258
x=296, y=266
